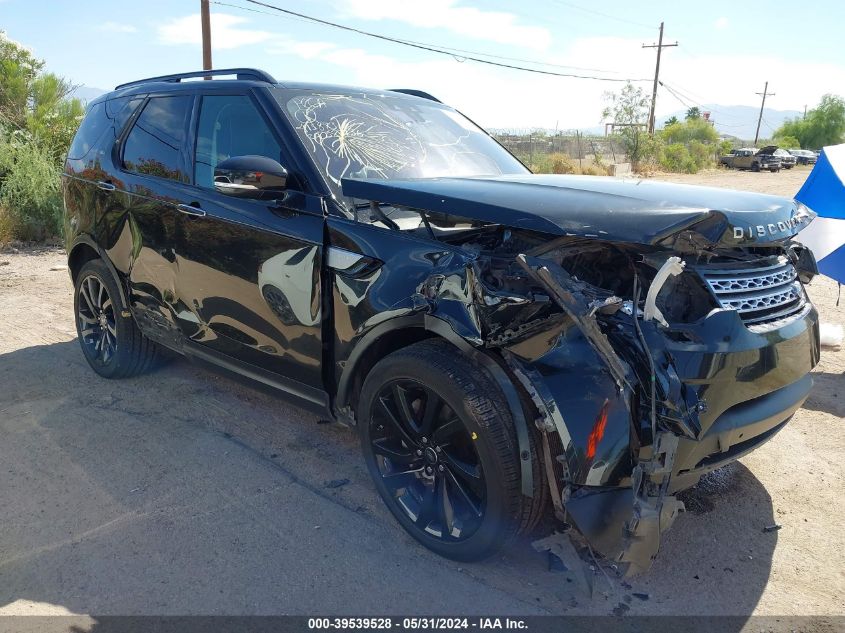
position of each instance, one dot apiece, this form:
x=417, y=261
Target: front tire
x=440, y=444
x=111, y=341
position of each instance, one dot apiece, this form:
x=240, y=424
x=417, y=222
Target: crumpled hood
x=615, y=209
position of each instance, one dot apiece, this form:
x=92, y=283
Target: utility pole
x=659, y=46
x=205, y=17
x=762, y=105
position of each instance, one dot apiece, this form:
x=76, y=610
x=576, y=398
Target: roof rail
x=416, y=93
x=241, y=73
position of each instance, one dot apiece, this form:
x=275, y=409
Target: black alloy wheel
x=427, y=460
x=110, y=339
x=440, y=443
x=97, y=325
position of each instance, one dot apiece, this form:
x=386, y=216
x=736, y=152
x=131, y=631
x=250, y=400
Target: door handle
x=106, y=186
x=189, y=209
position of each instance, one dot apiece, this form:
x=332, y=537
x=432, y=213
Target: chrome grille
x=760, y=294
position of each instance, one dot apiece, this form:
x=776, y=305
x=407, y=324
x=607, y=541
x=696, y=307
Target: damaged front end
x=647, y=362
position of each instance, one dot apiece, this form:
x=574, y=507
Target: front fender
x=591, y=414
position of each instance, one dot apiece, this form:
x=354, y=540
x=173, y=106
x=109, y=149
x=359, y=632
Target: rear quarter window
x=95, y=123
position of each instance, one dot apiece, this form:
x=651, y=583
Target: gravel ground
x=183, y=492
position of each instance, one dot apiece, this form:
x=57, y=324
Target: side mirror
x=250, y=177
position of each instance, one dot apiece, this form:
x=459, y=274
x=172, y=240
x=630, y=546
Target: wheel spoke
x=86, y=332
x=92, y=291
x=397, y=425
x=106, y=304
x=87, y=320
x=433, y=406
x=397, y=455
x=428, y=507
x=448, y=429
x=401, y=478
x=467, y=473
x=468, y=500
x=400, y=397
x=83, y=291
x=447, y=512
x=100, y=296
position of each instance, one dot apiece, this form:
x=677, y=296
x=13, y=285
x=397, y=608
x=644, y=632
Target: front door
x=248, y=271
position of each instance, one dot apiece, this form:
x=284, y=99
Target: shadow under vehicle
x=507, y=344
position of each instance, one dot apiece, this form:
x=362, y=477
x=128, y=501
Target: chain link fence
x=538, y=148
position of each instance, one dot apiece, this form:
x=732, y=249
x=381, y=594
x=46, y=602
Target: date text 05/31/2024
x=419, y=623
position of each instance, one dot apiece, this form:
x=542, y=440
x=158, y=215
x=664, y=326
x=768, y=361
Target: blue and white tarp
x=824, y=193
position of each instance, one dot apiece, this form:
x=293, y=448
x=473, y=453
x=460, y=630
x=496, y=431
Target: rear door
x=155, y=173
x=249, y=271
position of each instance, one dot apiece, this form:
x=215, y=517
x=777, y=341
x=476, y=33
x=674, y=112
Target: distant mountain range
x=87, y=93
x=740, y=121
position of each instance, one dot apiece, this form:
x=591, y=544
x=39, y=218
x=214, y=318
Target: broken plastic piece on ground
x=772, y=528
x=831, y=335
x=673, y=266
x=556, y=565
x=560, y=546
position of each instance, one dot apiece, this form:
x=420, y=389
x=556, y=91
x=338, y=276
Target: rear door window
x=154, y=145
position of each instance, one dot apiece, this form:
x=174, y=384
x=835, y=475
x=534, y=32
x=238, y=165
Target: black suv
x=507, y=344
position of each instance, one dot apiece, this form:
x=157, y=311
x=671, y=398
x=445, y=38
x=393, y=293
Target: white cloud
x=116, y=27
x=496, y=97
x=722, y=23
x=493, y=26
x=226, y=31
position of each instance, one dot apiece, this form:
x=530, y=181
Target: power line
x=604, y=15
x=698, y=100
x=434, y=49
x=445, y=48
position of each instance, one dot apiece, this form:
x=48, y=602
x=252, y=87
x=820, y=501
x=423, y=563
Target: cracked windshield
x=379, y=136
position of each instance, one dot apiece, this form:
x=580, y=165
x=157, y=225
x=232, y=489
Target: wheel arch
x=401, y=332
x=85, y=249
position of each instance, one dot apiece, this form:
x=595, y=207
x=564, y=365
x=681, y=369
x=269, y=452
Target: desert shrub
x=7, y=225
x=701, y=154
x=560, y=163
x=30, y=193
x=676, y=157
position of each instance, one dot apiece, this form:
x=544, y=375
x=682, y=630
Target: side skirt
x=305, y=396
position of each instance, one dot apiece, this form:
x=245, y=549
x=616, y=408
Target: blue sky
x=727, y=49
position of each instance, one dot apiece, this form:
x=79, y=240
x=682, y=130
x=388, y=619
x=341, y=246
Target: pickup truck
x=751, y=158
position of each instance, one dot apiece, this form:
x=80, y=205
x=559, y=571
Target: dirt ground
x=183, y=492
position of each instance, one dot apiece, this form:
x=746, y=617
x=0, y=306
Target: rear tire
x=439, y=441
x=111, y=341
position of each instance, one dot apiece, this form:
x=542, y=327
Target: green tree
x=693, y=113
x=695, y=129
x=787, y=142
x=670, y=121
x=823, y=125
x=37, y=123
x=628, y=109
x=18, y=69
